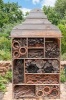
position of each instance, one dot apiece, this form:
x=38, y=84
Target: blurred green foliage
x=10, y=16
x=63, y=57
x=57, y=16
x=62, y=76
x=4, y=80
x=62, y=27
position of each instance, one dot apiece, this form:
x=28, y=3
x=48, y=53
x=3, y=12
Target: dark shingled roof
x=36, y=24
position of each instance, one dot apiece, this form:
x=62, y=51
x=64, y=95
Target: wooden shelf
x=37, y=58
x=35, y=84
x=30, y=50
x=42, y=73
x=35, y=47
x=26, y=96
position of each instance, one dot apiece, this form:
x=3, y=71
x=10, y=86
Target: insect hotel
x=36, y=46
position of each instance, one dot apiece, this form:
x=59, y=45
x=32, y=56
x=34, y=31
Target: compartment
x=19, y=48
x=18, y=71
x=49, y=91
x=35, y=53
x=42, y=66
x=42, y=79
x=24, y=91
x=19, y=42
x=35, y=42
x=52, y=48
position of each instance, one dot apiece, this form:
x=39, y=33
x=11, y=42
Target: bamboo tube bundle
x=51, y=91
x=19, y=47
x=22, y=51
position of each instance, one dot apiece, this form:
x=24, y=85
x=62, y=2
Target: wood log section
x=35, y=42
x=42, y=66
x=35, y=53
x=24, y=90
x=42, y=79
x=32, y=68
x=52, y=48
x=18, y=73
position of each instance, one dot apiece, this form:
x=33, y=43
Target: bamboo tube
x=47, y=90
x=16, y=54
x=15, y=44
x=39, y=93
x=54, y=93
x=22, y=50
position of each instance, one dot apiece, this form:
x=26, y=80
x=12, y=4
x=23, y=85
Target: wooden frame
x=44, y=58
